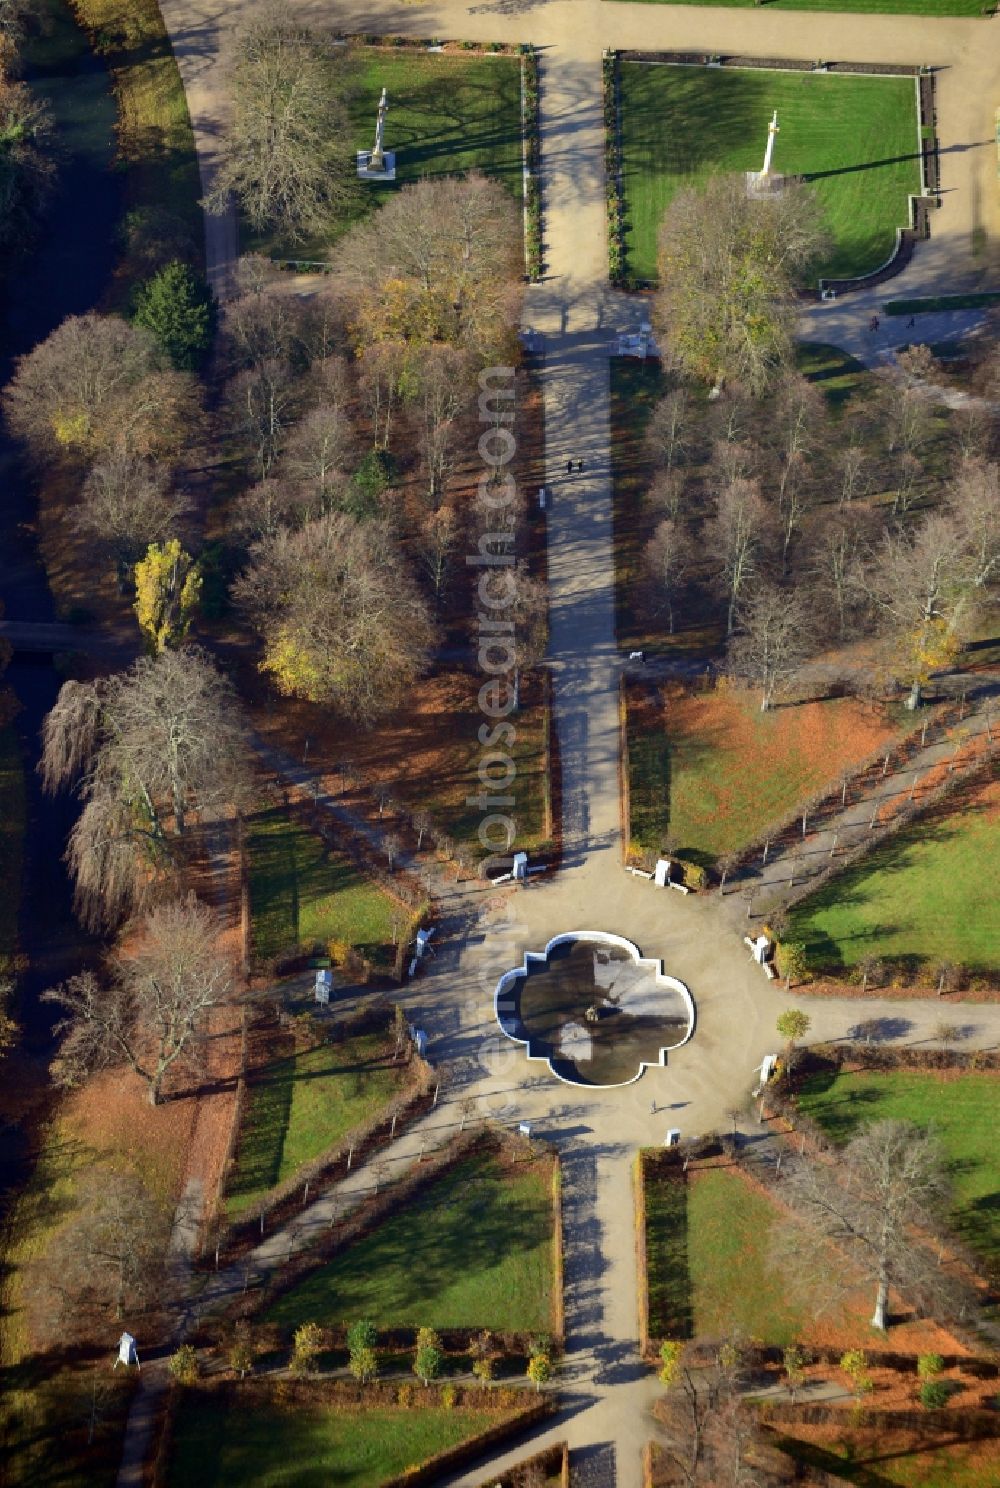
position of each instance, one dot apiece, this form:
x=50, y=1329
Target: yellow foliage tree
x=931, y=647
x=167, y=590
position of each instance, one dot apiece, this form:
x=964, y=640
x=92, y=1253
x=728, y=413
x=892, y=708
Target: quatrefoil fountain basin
x=594, y=1008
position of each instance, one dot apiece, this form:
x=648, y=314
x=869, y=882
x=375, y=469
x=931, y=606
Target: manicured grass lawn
x=712, y=771
x=964, y=1112
x=708, y=1252
x=448, y=113
x=929, y=894
x=839, y=374
x=265, y=1446
x=732, y=1282
x=12, y=827
x=669, y=1280
x=854, y=139
x=303, y=895
x=299, y=1106
x=471, y=1250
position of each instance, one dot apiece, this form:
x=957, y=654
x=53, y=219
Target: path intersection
x=605, y=1391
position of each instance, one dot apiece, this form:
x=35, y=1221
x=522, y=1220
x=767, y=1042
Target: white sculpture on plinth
x=378, y=164
x=128, y=1354
x=765, y=182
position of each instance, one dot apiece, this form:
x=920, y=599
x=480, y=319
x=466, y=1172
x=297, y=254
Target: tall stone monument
x=378, y=164
x=766, y=182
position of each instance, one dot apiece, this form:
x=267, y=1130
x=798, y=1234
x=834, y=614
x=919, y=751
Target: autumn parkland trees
x=27, y=166
x=450, y=259
x=341, y=620
x=891, y=1185
x=730, y=265
x=98, y=385
x=143, y=750
x=283, y=154
x=352, y=415
x=781, y=518
x=150, y=1011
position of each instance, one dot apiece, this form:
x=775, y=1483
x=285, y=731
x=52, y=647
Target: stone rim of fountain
x=595, y=937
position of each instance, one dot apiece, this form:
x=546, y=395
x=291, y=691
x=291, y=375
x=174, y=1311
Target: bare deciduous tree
x=109, y=1255
x=772, y=641
x=283, y=153
x=907, y=414
x=451, y=262
x=127, y=503
x=889, y=1180
x=920, y=583
x=797, y=432
x=738, y=533
x=339, y=613
x=729, y=268
x=143, y=749
x=381, y=378
x=153, y=1009
x=441, y=381
x=668, y=559
x=318, y=453
x=437, y=542
x=974, y=503
x=668, y=433
x=835, y=561
x=707, y=1436
x=262, y=402
x=263, y=322
x=262, y=511
x=96, y=385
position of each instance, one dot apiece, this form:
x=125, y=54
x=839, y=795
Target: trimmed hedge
x=532, y=163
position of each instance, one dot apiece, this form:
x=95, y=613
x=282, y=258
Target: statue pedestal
x=366, y=172
x=761, y=186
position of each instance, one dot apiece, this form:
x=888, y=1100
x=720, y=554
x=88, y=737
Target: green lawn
x=301, y=895
x=839, y=375
x=732, y=1282
x=929, y=894
x=264, y=1446
x=708, y=1252
x=669, y=1280
x=471, y=1250
x=448, y=113
x=854, y=139
x=12, y=827
x=964, y=1112
x=299, y=1106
